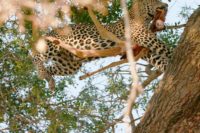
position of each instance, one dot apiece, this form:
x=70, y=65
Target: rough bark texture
x=175, y=106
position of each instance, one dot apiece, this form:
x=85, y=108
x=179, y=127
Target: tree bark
x=175, y=106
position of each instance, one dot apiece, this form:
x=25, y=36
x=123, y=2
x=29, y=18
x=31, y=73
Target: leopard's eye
x=150, y=15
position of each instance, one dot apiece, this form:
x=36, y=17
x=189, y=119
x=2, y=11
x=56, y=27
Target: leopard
x=87, y=37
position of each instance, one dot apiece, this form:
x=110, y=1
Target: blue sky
x=175, y=7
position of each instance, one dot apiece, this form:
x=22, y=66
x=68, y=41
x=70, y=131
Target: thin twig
x=7, y=128
x=108, y=125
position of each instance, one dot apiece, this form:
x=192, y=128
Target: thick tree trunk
x=175, y=106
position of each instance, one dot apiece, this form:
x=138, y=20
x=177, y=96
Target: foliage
x=114, y=14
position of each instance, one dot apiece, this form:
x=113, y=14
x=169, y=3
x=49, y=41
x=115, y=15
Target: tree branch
x=136, y=87
x=151, y=77
x=175, y=26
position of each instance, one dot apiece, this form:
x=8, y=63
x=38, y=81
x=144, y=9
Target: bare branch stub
x=151, y=77
x=175, y=26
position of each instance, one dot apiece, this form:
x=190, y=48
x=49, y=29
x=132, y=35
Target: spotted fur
x=86, y=37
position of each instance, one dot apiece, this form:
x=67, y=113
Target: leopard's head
x=147, y=10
